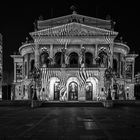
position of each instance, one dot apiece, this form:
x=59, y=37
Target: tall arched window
x=73, y=59
x=58, y=57
x=88, y=59
x=44, y=59
x=32, y=64
x=115, y=65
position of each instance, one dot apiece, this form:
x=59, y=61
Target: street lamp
x=35, y=75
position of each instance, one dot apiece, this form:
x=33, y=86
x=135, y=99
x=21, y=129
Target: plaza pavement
x=69, y=123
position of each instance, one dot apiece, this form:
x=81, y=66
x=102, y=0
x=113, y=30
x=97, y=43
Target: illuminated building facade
x=1, y=68
x=78, y=58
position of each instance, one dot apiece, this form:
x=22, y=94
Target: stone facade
x=77, y=58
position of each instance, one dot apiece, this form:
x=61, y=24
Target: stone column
x=120, y=59
x=23, y=74
x=111, y=55
x=51, y=50
x=66, y=58
x=36, y=51
x=28, y=63
x=14, y=71
x=80, y=56
x=63, y=57
x=51, y=54
x=133, y=69
x=95, y=53
x=122, y=67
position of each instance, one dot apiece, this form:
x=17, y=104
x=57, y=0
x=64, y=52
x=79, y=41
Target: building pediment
x=74, y=29
x=86, y=20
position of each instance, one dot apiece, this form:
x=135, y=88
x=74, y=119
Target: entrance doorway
x=73, y=91
x=89, y=91
x=56, y=91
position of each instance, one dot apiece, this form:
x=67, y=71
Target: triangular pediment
x=73, y=29
x=86, y=20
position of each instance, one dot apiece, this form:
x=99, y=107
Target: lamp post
x=35, y=74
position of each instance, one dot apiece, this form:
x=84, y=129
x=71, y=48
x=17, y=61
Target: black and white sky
x=16, y=21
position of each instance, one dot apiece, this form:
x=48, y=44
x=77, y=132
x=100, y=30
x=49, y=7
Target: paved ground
x=69, y=123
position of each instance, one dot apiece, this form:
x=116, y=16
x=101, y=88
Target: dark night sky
x=16, y=21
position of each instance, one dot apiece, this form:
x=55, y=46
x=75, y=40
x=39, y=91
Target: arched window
x=73, y=59
x=88, y=59
x=58, y=57
x=32, y=64
x=103, y=59
x=115, y=65
x=44, y=59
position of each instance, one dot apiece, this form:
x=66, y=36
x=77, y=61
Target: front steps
x=71, y=104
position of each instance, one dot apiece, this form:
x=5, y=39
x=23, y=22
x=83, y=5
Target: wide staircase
x=71, y=104
x=27, y=103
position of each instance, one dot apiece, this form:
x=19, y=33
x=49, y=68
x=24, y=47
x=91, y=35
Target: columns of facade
x=133, y=69
x=118, y=64
x=111, y=55
x=63, y=62
x=66, y=57
x=28, y=63
x=95, y=53
x=51, y=54
x=23, y=74
x=36, y=51
x=14, y=71
x=120, y=67
x=81, y=57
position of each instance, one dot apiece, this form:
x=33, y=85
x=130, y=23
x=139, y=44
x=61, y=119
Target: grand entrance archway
x=91, y=89
x=73, y=91
x=54, y=89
